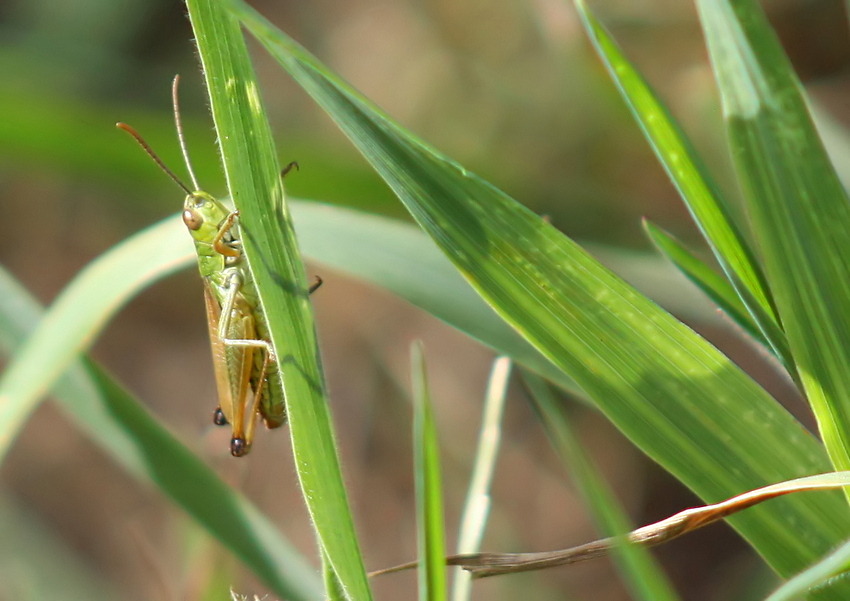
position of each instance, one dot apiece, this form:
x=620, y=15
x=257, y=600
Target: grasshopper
x=246, y=372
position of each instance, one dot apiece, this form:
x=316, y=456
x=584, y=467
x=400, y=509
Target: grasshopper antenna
x=179, y=125
x=153, y=155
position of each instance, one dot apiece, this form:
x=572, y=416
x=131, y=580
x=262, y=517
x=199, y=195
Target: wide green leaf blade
x=702, y=196
x=430, y=525
x=797, y=205
x=400, y=258
x=672, y=393
x=137, y=441
x=644, y=578
x=716, y=287
x=254, y=181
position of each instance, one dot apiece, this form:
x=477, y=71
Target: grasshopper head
x=203, y=215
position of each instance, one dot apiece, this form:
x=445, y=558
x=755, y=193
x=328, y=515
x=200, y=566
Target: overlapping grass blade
x=644, y=578
x=430, y=525
x=134, y=439
x=701, y=195
x=798, y=208
x=672, y=393
x=254, y=181
x=716, y=287
x=400, y=258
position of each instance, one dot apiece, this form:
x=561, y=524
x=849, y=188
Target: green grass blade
x=399, y=257
x=430, y=526
x=476, y=509
x=253, y=178
x=644, y=578
x=797, y=205
x=673, y=394
x=701, y=195
x=716, y=287
x=133, y=438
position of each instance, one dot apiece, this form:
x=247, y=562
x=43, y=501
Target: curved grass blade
x=717, y=288
x=706, y=204
x=254, y=180
x=134, y=439
x=101, y=287
x=797, y=205
x=476, y=509
x=673, y=394
x=430, y=526
x=644, y=578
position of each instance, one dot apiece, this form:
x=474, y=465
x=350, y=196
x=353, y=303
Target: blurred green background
x=510, y=89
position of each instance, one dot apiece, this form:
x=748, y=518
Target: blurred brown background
x=509, y=88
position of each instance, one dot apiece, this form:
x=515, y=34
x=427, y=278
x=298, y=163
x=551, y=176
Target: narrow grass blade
x=797, y=205
x=254, y=181
x=134, y=439
x=673, y=394
x=644, y=578
x=716, y=287
x=430, y=527
x=701, y=195
x=476, y=510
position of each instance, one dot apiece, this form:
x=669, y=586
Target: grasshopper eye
x=192, y=219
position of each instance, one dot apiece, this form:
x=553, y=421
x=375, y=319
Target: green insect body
x=247, y=377
x=242, y=356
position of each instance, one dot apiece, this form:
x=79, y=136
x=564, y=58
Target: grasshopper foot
x=218, y=417
x=239, y=447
